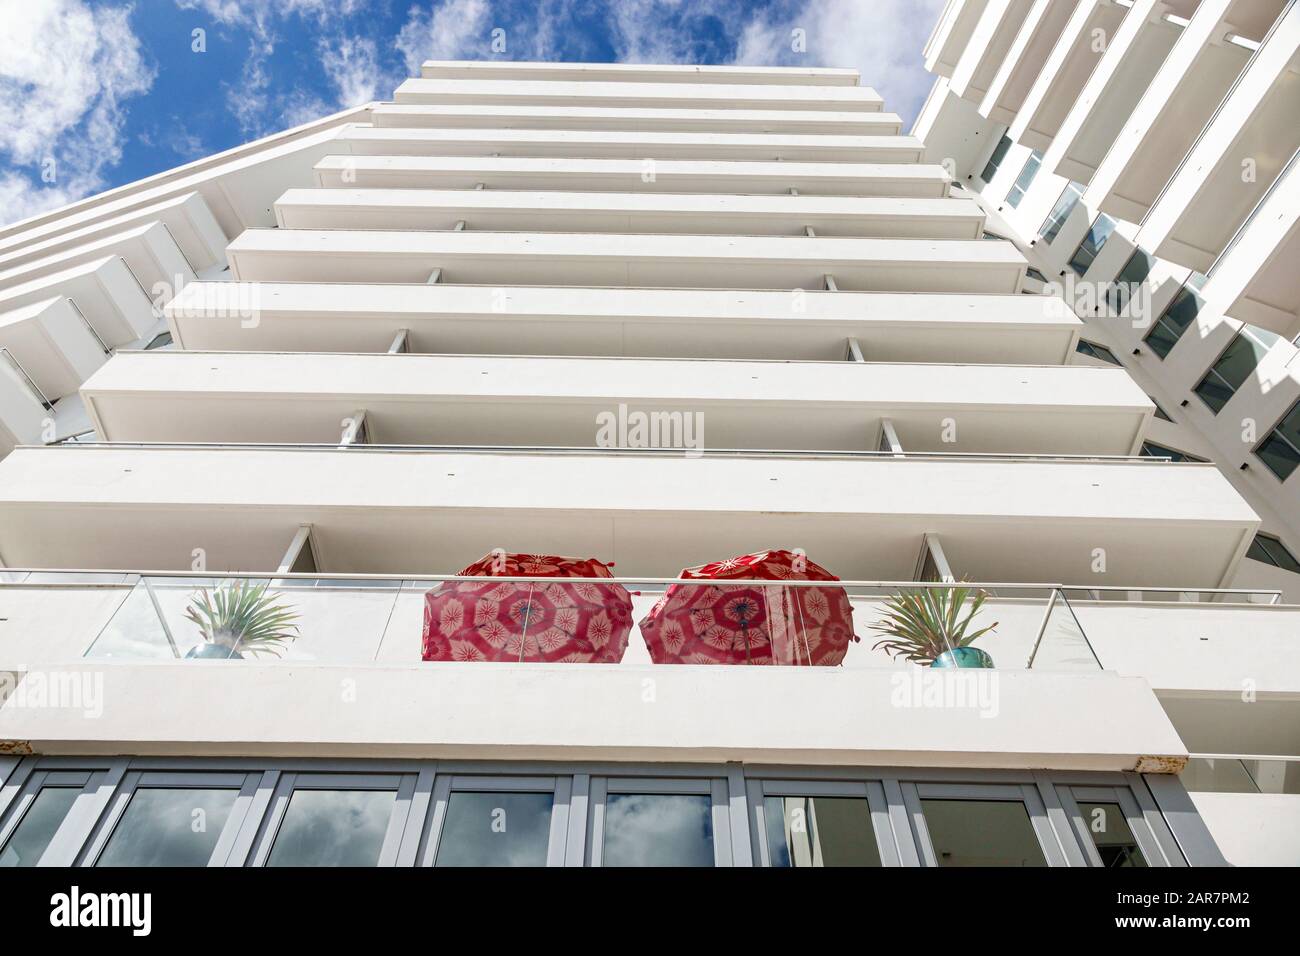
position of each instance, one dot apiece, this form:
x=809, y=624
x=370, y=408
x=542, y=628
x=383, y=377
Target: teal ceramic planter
x=964, y=657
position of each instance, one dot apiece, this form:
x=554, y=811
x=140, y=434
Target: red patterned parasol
x=751, y=623
x=528, y=620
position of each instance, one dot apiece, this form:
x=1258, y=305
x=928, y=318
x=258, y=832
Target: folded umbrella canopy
x=751, y=623
x=579, y=622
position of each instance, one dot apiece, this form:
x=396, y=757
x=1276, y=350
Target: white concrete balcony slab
x=52, y=340
x=761, y=715
x=1179, y=101
x=1133, y=55
x=478, y=116
x=414, y=399
x=1243, y=149
x=238, y=184
x=23, y=410
x=635, y=95
x=186, y=217
x=951, y=34
x=501, y=210
x=1256, y=275
x=989, y=43
x=1037, y=34
x=635, y=73
x=1134, y=522
x=149, y=251
x=633, y=175
x=1066, y=69
x=105, y=290
x=665, y=323
x=620, y=144
x=751, y=262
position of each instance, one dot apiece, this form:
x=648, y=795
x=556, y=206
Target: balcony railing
x=372, y=618
x=1241, y=773
x=589, y=450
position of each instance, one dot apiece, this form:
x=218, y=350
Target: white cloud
x=65, y=71
x=352, y=65
x=882, y=40
x=451, y=31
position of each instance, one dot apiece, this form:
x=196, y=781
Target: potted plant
x=928, y=626
x=241, y=617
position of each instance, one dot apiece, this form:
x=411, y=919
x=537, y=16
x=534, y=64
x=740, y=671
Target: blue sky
x=96, y=94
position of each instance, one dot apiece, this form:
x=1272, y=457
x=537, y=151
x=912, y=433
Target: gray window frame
x=401, y=784
x=1025, y=179
x=914, y=792
x=736, y=790
x=246, y=785
x=872, y=791
x=715, y=787
x=560, y=786
x=1143, y=834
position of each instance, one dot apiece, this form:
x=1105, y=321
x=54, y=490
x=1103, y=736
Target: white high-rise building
x=653, y=316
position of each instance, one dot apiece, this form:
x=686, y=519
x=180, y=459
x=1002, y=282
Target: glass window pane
x=1027, y=174
x=1111, y=835
x=820, y=831
x=38, y=826
x=982, y=833
x=1092, y=243
x=169, y=827
x=1061, y=212
x=658, y=829
x=496, y=829
x=1169, y=328
x=999, y=153
x=333, y=828
x=1280, y=449
x=1270, y=550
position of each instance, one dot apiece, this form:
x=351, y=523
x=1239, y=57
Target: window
x=37, y=826
x=1051, y=226
x=1280, y=449
x=1151, y=450
x=1097, y=351
x=333, y=828
x=1235, y=365
x=169, y=827
x=1027, y=174
x=1174, y=321
x=1111, y=835
x=994, y=237
x=1033, y=273
x=1160, y=412
x=1086, y=254
x=1127, y=288
x=487, y=828
x=982, y=833
x=999, y=154
x=658, y=829
x=820, y=831
x=159, y=340
x=1270, y=550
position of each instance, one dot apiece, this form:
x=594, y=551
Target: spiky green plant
x=922, y=623
x=244, y=617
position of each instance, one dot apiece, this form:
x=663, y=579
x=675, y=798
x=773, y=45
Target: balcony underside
x=664, y=120
x=372, y=510
x=635, y=176
x=628, y=212
x=748, y=262
x=451, y=400
x=667, y=323
x=600, y=144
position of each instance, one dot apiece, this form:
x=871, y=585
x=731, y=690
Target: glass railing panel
x=248, y=618
x=1217, y=775
x=556, y=620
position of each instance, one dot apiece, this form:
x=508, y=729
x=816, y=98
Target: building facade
x=263, y=407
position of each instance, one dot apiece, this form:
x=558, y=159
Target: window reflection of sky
x=333, y=828
x=658, y=830
x=169, y=827
x=496, y=829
